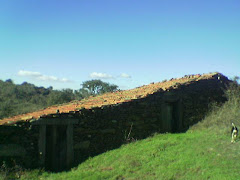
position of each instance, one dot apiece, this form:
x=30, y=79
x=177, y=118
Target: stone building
x=60, y=137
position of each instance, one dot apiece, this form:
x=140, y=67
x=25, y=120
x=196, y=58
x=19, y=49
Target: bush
x=220, y=118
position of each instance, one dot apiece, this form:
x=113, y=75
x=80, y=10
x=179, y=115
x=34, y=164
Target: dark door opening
x=175, y=117
x=56, y=148
x=172, y=116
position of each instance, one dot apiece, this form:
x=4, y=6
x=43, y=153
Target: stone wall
x=102, y=129
x=108, y=127
x=18, y=145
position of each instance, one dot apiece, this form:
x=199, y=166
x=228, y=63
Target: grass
x=205, y=151
x=192, y=155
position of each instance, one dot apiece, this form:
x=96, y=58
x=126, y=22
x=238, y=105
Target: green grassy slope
x=197, y=155
x=204, y=152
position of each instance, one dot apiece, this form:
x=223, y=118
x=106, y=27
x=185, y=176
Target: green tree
x=17, y=99
x=59, y=97
x=96, y=87
x=236, y=79
x=81, y=94
x=9, y=81
x=7, y=109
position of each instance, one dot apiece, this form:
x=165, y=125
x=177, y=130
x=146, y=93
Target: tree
x=17, y=99
x=236, y=79
x=60, y=96
x=9, y=81
x=96, y=87
x=81, y=94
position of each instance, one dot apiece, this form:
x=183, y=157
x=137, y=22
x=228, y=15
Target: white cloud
x=65, y=80
x=41, y=77
x=47, y=78
x=124, y=75
x=101, y=75
x=108, y=76
x=28, y=73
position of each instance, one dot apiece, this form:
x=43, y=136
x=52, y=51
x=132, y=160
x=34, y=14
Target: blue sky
x=125, y=42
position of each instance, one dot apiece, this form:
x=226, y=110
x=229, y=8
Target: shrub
x=220, y=118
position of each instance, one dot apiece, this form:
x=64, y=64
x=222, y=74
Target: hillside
x=167, y=156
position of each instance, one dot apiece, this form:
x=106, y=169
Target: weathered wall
x=18, y=145
x=108, y=127
x=101, y=129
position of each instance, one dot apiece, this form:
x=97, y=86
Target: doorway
x=55, y=144
x=171, y=116
x=56, y=148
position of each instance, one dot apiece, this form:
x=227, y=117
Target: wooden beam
x=55, y=121
x=180, y=114
x=42, y=144
x=70, y=152
x=170, y=97
x=54, y=162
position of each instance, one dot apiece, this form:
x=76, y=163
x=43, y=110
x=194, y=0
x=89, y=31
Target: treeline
x=18, y=99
